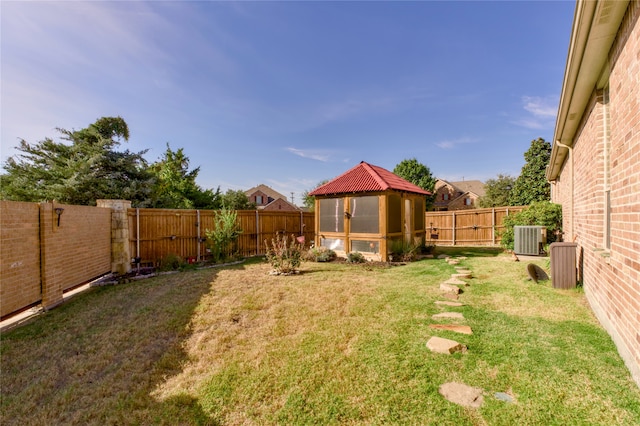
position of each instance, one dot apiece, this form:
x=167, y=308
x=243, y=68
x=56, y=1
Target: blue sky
x=291, y=93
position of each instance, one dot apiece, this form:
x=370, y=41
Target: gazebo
x=368, y=209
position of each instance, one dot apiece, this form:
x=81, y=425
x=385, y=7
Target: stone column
x=120, y=253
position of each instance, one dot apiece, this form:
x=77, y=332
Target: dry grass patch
x=337, y=344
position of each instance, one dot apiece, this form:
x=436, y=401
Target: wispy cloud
x=453, y=143
x=541, y=107
x=309, y=153
x=540, y=112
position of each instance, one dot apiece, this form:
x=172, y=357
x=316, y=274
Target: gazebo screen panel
x=365, y=213
x=332, y=215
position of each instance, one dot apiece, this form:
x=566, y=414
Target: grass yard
x=337, y=344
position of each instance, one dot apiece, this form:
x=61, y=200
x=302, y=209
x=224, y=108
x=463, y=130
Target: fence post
x=453, y=242
x=493, y=226
x=120, y=252
x=257, y=233
x=51, y=288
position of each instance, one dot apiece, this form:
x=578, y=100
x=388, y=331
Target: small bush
x=355, y=257
x=172, y=262
x=541, y=213
x=222, y=239
x=284, y=257
x=320, y=254
x=403, y=252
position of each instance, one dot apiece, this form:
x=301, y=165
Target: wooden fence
x=476, y=227
x=157, y=233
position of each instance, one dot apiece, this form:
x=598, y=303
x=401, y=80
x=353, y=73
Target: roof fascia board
x=594, y=30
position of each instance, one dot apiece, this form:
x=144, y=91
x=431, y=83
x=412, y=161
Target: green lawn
x=337, y=344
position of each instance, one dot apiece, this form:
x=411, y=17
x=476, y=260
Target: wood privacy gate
x=476, y=227
x=157, y=233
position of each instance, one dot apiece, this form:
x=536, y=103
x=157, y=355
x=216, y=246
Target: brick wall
x=19, y=255
x=41, y=259
x=611, y=277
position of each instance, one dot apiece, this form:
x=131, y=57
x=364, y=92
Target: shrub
x=320, y=254
x=403, y=252
x=221, y=241
x=283, y=256
x=172, y=262
x=540, y=213
x=355, y=257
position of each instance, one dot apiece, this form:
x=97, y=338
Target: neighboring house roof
x=269, y=192
x=595, y=25
x=473, y=186
x=366, y=177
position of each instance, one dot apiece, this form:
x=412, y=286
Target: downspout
x=570, y=149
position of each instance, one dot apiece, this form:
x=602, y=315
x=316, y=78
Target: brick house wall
x=604, y=164
x=264, y=201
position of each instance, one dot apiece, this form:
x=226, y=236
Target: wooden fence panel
x=474, y=227
x=157, y=233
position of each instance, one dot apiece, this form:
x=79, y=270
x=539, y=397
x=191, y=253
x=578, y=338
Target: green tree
x=418, y=174
x=532, y=184
x=80, y=170
x=236, y=200
x=309, y=201
x=497, y=191
x=175, y=186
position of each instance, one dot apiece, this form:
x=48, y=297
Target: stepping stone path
x=461, y=275
x=464, y=329
x=449, y=288
x=452, y=296
x=463, y=271
x=445, y=346
x=455, y=281
x=442, y=302
x=453, y=261
x=462, y=394
x=456, y=315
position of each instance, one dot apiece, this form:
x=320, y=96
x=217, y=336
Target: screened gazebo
x=368, y=209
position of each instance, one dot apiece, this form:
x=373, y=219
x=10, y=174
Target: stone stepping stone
x=453, y=262
x=445, y=346
x=446, y=303
x=460, y=275
x=461, y=257
x=455, y=281
x=443, y=256
x=464, y=329
x=449, y=288
x=456, y=315
x=452, y=296
x=462, y=394
x=463, y=271
x=505, y=397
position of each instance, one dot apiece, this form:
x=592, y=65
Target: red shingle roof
x=366, y=177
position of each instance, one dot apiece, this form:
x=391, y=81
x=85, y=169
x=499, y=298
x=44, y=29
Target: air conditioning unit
x=529, y=239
